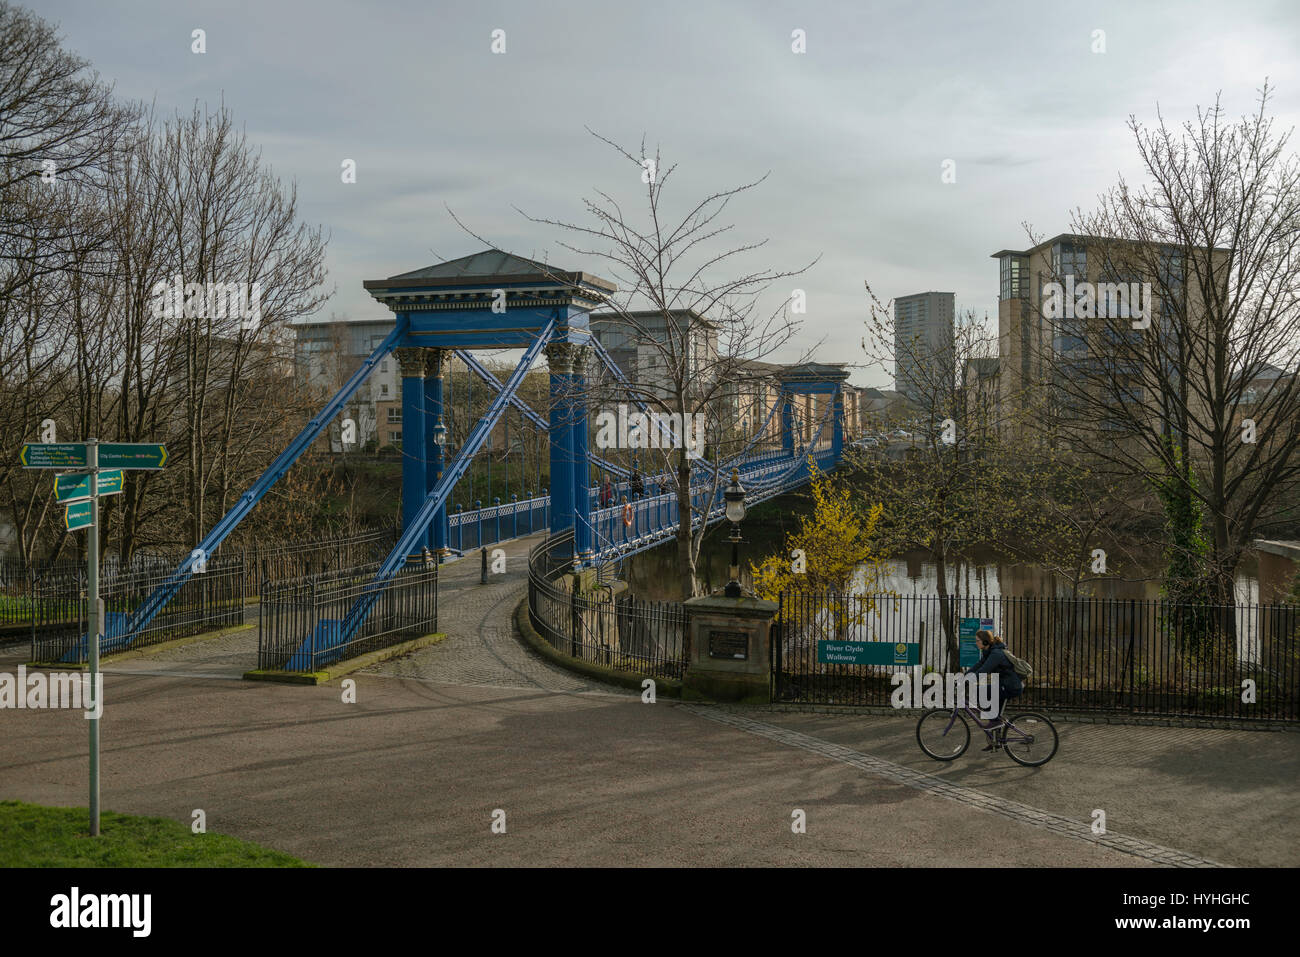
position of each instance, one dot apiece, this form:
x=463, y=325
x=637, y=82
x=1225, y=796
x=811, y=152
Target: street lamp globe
x=734, y=496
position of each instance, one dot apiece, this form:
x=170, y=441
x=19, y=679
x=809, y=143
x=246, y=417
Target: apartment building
x=1073, y=309
x=923, y=334
x=641, y=344
x=326, y=353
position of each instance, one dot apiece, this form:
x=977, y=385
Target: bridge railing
x=498, y=522
x=624, y=633
x=300, y=619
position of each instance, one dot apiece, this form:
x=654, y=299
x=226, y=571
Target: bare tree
x=59, y=125
x=949, y=490
x=696, y=325
x=1201, y=394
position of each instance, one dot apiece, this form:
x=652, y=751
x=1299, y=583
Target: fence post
x=1132, y=633
x=496, y=507
x=514, y=513
x=31, y=606
x=575, y=622
x=460, y=529
x=261, y=625
x=312, y=618
x=478, y=512
x=777, y=639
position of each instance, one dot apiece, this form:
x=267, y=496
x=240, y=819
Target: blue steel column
x=787, y=424
x=435, y=362
x=414, y=490
x=559, y=358
x=582, y=544
x=837, y=413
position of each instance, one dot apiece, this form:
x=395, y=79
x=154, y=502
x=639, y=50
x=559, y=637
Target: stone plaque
x=733, y=645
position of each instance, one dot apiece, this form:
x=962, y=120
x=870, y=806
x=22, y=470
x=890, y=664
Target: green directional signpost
x=76, y=488
x=54, y=455
x=95, y=470
x=134, y=455
x=77, y=515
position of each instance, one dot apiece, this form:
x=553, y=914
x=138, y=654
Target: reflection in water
x=653, y=574
x=979, y=577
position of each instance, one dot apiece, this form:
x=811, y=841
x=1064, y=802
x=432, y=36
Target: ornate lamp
x=734, y=496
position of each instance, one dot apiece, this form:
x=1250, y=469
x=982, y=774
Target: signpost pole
x=93, y=620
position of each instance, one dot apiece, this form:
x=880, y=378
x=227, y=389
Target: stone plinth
x=730, y=649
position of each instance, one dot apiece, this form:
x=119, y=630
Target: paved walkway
x=588, y=775
x=481, y=647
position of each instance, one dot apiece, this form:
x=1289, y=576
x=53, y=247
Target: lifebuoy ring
x=627, y=514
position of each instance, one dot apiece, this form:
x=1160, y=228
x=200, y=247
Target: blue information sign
x=968, y=649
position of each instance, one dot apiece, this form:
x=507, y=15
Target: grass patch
x=35, y=836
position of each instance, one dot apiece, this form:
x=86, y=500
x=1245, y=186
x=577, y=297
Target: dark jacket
x=994, y=661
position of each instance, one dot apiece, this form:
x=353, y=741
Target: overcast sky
x=853, y=133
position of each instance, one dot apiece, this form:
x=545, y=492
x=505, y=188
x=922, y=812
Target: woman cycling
x=993, y=660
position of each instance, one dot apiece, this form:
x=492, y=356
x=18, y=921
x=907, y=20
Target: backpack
x=1018, y=665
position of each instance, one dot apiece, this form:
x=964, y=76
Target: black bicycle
x=1029, y=738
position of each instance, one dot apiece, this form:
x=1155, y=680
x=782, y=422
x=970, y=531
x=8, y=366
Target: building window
x=1070, y=259
x=394, y=416
x=383, y=388
x=394, y=437
x=1015, y=274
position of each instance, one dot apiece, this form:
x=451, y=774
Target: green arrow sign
x=77, y=516
x=53, y=455
x=71, y=488
x=132, y=455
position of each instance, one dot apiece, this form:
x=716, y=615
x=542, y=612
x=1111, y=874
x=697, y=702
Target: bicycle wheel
x=943, y=735
x=1031, y=739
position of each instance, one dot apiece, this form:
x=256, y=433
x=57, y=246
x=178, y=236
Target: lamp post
x=734, y=496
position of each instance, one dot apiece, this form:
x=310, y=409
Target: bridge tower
x=493, y=300
x=813, y=379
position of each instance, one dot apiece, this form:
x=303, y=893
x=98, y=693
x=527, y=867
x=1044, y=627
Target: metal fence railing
x=301, y=620
x=1088, y=654
x=497, y=522
x=207, y=601
x=625, y=633
x=20, y=581
x=280, y=562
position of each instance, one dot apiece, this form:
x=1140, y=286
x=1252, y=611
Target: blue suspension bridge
x=493, y=300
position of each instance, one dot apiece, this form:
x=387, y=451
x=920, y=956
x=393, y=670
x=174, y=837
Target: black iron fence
x=304, y=622
x=207, y=601
x=1088, y=654
x=279, y=562
x=622, y=632
x=19, y=581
